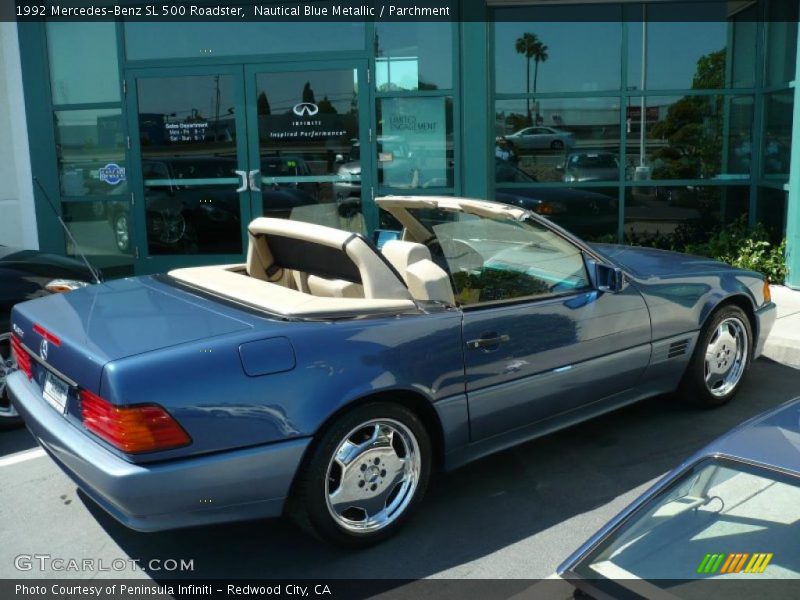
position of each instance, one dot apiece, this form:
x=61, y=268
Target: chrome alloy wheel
x=726, y=357
x=373, y=475
x=7, y=365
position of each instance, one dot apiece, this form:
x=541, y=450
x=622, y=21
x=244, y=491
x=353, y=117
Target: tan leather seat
x=425, y=279
x=333, y=288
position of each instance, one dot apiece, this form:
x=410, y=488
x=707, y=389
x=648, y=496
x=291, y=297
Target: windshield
x=593, y=161
x=495, y=259
x=720, y=519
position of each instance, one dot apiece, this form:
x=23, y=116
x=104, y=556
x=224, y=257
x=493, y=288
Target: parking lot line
x=19, y=457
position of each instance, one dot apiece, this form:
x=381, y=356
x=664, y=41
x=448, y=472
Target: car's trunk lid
x=101, y=323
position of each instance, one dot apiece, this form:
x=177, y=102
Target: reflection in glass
x=777, y=151
x=102, y=231
x=771, y=211
x=687, y=136
x=413, y=56
x=308, y=139
x=83, y=62
x=90, y=151
x=680, y=55
x=577, y=138
x=189, y=39
x=187, y=129
x=675, y=217
x=415, y=142
x=589, y=213
x=781, y=38
x=535, y=53
x=717, y=506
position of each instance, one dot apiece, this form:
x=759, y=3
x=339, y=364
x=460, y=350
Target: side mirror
x=608, y=278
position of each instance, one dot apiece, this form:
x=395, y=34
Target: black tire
x=693, y=387
x=557, y=145
x=309, y=504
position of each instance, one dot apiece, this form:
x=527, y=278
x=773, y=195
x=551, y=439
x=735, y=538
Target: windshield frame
x=628, y=518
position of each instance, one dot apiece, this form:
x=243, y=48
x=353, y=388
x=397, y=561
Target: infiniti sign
x=305, y=109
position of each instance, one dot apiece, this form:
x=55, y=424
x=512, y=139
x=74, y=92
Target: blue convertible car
x=329, y=379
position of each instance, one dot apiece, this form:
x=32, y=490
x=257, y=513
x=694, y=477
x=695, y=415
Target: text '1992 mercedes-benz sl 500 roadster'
x=328, y=379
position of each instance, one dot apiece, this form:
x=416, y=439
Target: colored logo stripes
x=734, y=563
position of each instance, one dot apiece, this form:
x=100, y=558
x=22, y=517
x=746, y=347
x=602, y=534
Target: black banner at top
x=396, y=10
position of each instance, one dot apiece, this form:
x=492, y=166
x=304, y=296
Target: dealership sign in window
x=412, y=147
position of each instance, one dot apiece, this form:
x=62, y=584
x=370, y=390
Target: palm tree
x=528, y=45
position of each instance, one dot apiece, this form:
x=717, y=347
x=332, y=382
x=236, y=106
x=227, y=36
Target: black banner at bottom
x=388, y=589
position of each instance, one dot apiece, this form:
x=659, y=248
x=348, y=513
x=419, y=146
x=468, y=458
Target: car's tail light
x=21, y=357
x=767, y=292
x=132, y=429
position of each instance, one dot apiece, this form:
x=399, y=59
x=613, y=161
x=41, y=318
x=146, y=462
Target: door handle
x=243, y=175
x=484, y=342
x=252, y=179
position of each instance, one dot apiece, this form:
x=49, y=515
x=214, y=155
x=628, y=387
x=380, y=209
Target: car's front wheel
x=720, y=360
x=8, y=416
x=365, y=475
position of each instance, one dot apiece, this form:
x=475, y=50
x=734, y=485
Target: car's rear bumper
x=765, y=316
x=229, y=486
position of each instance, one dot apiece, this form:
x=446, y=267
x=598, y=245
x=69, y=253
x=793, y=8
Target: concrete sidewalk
x=783, y=343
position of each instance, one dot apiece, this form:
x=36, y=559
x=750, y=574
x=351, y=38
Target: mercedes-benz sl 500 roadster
x=328, y=379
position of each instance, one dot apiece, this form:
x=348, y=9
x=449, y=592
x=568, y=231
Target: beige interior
x=264, y=283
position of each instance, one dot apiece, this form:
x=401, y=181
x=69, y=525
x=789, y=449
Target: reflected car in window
x=590, y=166
x=584, y=212
x=541, y=138
x=730, y=512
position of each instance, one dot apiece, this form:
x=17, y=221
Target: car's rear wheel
x=720, y=360
x=8, y=416
x=366, y=474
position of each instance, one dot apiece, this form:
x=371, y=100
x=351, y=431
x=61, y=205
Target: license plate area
x=55, y=392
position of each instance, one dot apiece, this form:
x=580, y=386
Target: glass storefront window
x=91, y=152
x=83, y=62
x=589, y=213
x=187, y=129
x=771, y=211
x=781, y=41
x=687, y=136
x=102, y=231
x=560, y=139
x=777, y=150
x=415, y=142
x=535, y=54
x=675, y=217
x=413, y=56
x=188, y=39
x=686, y=54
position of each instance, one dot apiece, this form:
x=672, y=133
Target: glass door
x=191, y=203
x=309, y=143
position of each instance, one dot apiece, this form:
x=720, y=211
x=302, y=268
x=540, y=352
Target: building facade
x=159, y=141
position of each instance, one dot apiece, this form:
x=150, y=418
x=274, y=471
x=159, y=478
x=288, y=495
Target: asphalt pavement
x=516, y=514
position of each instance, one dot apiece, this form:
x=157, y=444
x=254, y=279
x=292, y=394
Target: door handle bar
x=488, y=341
x=243, y=175
x=253, y=181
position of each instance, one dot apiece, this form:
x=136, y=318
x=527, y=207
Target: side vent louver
x=677, y=348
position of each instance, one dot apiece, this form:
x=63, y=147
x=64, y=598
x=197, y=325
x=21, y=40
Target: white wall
x=17, y=213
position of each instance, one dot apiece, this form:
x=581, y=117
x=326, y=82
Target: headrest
x=403, y=254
